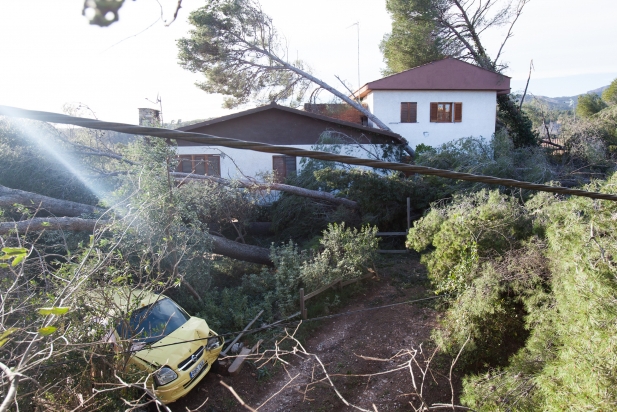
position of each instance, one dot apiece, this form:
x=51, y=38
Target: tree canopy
x=426, y=30
x=610, y=95
x=234, y=44
x=237, y=48
x=430, y=29
x=589, y=104
x=411, y=43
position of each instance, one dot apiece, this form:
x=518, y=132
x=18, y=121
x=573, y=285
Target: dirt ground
x=357, y=351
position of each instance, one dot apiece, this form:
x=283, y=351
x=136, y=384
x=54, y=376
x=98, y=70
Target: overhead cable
x=207, y=139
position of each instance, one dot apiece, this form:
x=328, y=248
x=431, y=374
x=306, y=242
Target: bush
x=589, y=104
x=537, y=298
x=344, y=253
x=481, y=250
x=610, y=94
x=458, y=237
x=589, y=141
x=495, y=157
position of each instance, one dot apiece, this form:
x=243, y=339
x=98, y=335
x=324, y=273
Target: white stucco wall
x=237, y=163
x=479, y=111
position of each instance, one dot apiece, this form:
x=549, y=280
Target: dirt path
x=343, y=345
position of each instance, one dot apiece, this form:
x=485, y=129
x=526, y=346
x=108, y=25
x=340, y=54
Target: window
x=409, y=112
x=446, y=112
x=283, y=167
x=209, y=165
x=152, y=323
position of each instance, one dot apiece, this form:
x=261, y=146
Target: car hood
x=178, y=345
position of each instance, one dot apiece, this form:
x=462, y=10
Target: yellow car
x=178, y=349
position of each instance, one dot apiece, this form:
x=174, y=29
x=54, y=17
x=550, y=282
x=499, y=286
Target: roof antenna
x=357, y=24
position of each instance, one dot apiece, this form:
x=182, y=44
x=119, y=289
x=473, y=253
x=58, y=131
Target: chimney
x=149, y=117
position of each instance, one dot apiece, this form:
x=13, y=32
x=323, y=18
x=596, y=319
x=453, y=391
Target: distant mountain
x=560, y=103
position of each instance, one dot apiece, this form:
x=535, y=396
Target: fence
x=556, y=148
x=338, y=283
x=398, y=233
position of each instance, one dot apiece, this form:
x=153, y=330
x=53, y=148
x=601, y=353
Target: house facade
x=437, y=102
x=276, y=125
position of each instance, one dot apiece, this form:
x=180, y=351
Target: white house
x=272, y=124
x=437, y=102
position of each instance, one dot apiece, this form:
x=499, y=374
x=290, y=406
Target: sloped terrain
x=349, y=347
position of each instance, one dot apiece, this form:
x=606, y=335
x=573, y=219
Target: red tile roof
x=446, y=74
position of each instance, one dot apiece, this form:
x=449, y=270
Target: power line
x=290, y=151
x=278, y=324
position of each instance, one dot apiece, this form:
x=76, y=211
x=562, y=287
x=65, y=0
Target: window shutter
x=214, y=166
x=409, y=112
x=404, y=112
x=290, y=165
x=433, y=112
x=413, y=112
x=278, y=166
x=199, y=163
x=458, y=112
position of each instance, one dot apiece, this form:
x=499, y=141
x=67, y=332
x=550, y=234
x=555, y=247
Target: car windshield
x=152, y=323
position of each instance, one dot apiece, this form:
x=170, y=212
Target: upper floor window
x=409, y=112
x=446, y=112
x=209, y=165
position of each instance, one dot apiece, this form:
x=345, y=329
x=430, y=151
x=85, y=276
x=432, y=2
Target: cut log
x=298, y=191
x=70, y=210
x=9, y=197
x=240, y=251
x=52, y=223
x=221, y=246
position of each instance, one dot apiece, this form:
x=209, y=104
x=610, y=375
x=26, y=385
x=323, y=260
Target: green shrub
x=589, y=104
x=485, y=251
x=538, y=302
x=344, y=253
x=457, y=237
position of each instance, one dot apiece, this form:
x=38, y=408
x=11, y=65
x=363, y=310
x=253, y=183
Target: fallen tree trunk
x=299, y=191
x=220, y=245
x=240, y=251
x=74, y=224
x=9, y=197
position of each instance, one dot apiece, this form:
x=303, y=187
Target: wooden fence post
x=302, y=308
x=408, y=214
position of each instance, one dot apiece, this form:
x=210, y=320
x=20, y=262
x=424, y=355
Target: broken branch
x=299, y=191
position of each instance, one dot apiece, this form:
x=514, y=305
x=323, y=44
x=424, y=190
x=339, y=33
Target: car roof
x=135, y=298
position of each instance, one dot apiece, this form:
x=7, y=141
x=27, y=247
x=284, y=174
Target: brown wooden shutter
x=404, y=112
x=290, y=165
x=409, y=112
x=278, y=166
x=413, y=112
x=214, y=165
x=458, y=112
x=185, y=165
x=434, y=112
x=199, y=165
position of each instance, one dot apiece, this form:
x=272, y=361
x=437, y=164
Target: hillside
x=560, y=103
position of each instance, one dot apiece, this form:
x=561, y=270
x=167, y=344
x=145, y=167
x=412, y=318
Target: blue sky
x=51, y=56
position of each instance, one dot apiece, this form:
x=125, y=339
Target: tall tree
x=236, y=47
x=238, y=50
x=589, y=104
x=610, y=95
x=424, y=30
x=412, y=42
